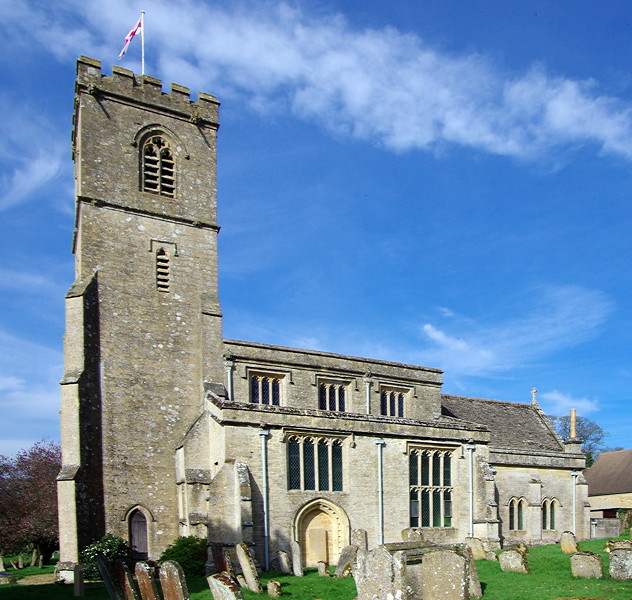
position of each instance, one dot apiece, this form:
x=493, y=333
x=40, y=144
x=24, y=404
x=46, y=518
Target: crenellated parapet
x=146, y=91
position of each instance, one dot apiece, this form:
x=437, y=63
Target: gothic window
x=430, y=481
x=314, y=464
x=392, y=403
x=158, y=175
x=516, y=514
x=548, y=514
x=332, y=395
x=162, y=271
x=265, y=389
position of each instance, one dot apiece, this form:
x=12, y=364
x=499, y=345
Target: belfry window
x=158, y=174
x=162, y=271
x=430, y=481
x=314, y=464
x=266, y=389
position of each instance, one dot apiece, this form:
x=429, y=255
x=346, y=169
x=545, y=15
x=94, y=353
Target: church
x=168, y=429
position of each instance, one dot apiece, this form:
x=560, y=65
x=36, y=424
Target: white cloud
x=379, y=85
x=559, y=403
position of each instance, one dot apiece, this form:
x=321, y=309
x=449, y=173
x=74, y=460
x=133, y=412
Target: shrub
x=189, y=552
x=109, y=546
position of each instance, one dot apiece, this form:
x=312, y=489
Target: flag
x=130, y=36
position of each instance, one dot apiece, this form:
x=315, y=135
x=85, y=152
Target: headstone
x=586, y=565
x=492, y=556
x=621, y=563
x=445, y=575
x=617, y=545
x=323, y=568
x=1, y=564
x=79, y=589
x=412, y=534
x=108, y=578
x=6, y=579
x=360, y=538
x=568, y=543
x=146, y=578
x=346, y=560
x=217, y=554
x=40, y=561
x=228, y=562
x=172, y=581
x=380, y=574
x=476, y=546
x=248, y=568
x=223, y=587
x=297, y=560
x=241, y=580
x=125, y=581
x=513, y=561
x=475, y=589
x=274, y=588
x=34, y=557
x=284, y=562
x=20, y=562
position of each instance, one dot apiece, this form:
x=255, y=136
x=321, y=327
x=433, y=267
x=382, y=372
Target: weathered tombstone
x=1, y=564
x=492, y=556
x=40, y=561
x=621, y=563
x=380, y=574
x=248, y=568
x=108, y=579
x=476, y=546
x=445, y=575
x=347, y=558
x=223, y=587
x=568, y=543
x=228, y=561
x=513, y=561
x=586, y=565
x=125, y=581
x=297, y=560
x=474, y=583
x=34, y=557
x=218, y=556
x=145, y=575
x=274, y=588
x=284, y=562
x=79, y=589
x=6, y=579
x=323, y=568
x=20, y=562
x=241, y=580
x=360, y=538
x=617, y=545
x=412, y=534
x=172, y=581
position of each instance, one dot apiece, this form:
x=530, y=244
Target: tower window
x=158, y=167
x=162, y=271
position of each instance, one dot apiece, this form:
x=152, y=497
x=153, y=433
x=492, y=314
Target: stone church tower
x=144, y=326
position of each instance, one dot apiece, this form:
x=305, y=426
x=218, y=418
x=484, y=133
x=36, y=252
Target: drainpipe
x=471, y=447
x=264, y=433
x=574, y=475
x=229, y=379
x=380, y=492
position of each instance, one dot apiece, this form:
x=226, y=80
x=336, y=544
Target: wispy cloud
x=561, y=317
x=559, y=403
x=379, y=85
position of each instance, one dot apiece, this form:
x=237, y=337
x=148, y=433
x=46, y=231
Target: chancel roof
x=611, y=473
x=512, y=425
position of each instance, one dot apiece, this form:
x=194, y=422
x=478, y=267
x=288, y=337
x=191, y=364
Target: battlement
x=124, y=85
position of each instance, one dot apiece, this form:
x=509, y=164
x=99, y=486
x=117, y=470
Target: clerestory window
x=266, y=389
x=392, y=403
x=430, y=481
x=158, y=169
x=314, y=463
x=332, y=395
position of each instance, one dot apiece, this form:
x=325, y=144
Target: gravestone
x=284, y=562
x=586, y=565
x=323, y=568
x=297, y=560
x=223, y=587
x=79, y=589
x=248, y=568
x=241, y=580
x=617, y=545
x=491, y=556
x=20, y=562
x=476, y=546
x=6, y=579
x=621, y=563
x=513, y=561
x=228, y=562
x=346, y=560
x=34, y=557
x=40, y=561
x=274, y=588
x=380, y=574
x=1, y=564
x=474, y=583
x=172, y=581
x=218, y=556
x=360, y=538
x=108, y=578
x=445, y=576
x=568, y=543
x=412, y=534
x=125, y=581
x=145, y=576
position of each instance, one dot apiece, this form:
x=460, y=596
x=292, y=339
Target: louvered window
x=158, y=167
x=162, y=271
x=430, y=480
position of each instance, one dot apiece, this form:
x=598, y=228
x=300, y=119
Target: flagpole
x=142, y=41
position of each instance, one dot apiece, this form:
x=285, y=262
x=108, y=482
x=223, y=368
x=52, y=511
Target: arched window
x=548, y=514
x=158, y=169
x=516, y=514
x=392, y=403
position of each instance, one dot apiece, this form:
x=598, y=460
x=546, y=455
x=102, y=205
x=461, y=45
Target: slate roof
x=611, y=473
x=512, y=425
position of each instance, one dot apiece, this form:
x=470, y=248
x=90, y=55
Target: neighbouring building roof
x=611, y=473
x=512, y=425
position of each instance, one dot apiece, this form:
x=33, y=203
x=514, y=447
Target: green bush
x=189, y=552
x=109, y=546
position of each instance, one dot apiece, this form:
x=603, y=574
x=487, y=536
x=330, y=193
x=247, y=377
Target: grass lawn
x=550, y=578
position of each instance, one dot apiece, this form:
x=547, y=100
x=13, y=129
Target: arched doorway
x=322, y=529
x=138, y=535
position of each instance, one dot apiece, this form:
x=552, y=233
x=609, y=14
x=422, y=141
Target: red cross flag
x=130, y=36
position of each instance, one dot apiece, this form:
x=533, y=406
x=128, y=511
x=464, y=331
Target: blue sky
x=444, y=183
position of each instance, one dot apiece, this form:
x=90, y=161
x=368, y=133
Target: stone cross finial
x=533, y=396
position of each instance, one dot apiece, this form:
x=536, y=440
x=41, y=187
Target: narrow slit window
x=163, y=269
